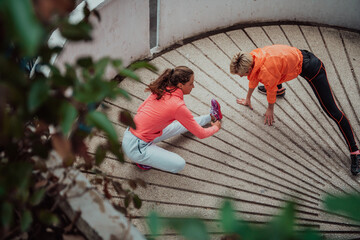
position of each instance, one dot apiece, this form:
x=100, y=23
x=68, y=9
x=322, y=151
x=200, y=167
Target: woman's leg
x=150, y=155
x=322, y=90
x=175, y=128
x=160, y=158
x=314, y=72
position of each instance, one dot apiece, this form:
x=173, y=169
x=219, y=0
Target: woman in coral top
x=273, y=65
x=155, y=121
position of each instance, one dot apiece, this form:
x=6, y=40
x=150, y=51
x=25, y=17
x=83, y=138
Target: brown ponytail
x=169, y=79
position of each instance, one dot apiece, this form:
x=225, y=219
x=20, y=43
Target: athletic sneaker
x=355, y=161
x=215, y=111
x=143, y=167
x=279, y=93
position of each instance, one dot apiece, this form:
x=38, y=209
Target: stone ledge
x=98, y=219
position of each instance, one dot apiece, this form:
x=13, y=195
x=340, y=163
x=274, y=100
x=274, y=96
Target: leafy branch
x=44, y=107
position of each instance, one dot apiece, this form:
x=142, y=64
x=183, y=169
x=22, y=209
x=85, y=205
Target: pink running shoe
x=215, y=110
x=143, y=167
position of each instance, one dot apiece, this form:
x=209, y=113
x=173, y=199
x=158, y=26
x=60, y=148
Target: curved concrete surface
x=302, y=157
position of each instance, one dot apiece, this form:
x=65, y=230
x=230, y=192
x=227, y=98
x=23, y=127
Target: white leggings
x=147, y=153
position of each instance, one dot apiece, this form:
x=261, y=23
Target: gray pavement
x=302, y=157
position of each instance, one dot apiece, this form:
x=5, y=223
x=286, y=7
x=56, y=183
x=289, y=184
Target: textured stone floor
x=302, y=157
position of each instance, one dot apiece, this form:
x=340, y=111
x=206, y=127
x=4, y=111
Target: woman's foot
x=280, y=92
x=215, y=111
x=143, y=167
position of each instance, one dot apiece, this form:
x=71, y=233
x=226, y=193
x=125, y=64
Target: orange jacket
x=274, y=65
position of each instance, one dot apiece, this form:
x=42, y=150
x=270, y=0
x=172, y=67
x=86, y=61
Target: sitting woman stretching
x=155, y=121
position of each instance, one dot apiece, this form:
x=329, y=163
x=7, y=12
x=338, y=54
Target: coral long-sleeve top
x=154, y=115
x=274, y=65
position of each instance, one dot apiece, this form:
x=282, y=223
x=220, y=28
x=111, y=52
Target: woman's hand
x=245, y=102
x=269, y=115
x=217, y=123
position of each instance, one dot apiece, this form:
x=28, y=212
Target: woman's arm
x=184, y=116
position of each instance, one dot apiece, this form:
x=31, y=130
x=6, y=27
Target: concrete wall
x=123, y=32
x=186, y=18
x=124, y=29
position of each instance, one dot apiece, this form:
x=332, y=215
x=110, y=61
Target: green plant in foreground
x=41, y=112
x=346, y=204
x=280, y=227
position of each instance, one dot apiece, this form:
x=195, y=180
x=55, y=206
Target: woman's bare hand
x=244, y=102
x=269, y=117
x=217, y=123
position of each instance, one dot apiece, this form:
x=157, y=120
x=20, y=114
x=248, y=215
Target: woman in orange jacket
x=273, y=65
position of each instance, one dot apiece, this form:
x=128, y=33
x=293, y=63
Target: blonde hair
x=241, y=63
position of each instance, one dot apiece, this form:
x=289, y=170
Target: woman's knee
x=335, y=113
x=178, y=164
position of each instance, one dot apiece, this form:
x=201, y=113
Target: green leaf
x=116, y=63
x=48, y=218
x=282, y=226
x=128, y=73
x=37, y=197
x=13, y=125
x=57, y=79
x=97, y=14
x=125, y=118
x=227, y=217
x=19, y=178
x=27, y=30
x=2, y=188
x=309, y=234
x=6, y=213
x=76, y=32
x=101, y=121
x=71, y=74
x=46, y=53
x=68, y=115
x=127, y=200
x=142, y=64
x=347, y=204
x=39, y=92
x=190, y=228
x=137, y=201
x=94, y=91
x=100, y=155
x=100, y=66
x=154, y=223
x=86, y=11
x=26, y=220
x=85, y=62
x=54, y=70
x=56, y=49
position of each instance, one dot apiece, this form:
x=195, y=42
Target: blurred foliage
x=127, y=193
x=280, y=227
x=42, y=112
x=346, y=204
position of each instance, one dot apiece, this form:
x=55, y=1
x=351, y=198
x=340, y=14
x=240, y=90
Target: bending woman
x=273, y=65
x=155, y=121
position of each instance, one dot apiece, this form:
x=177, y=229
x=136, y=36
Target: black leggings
x=313, y=70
